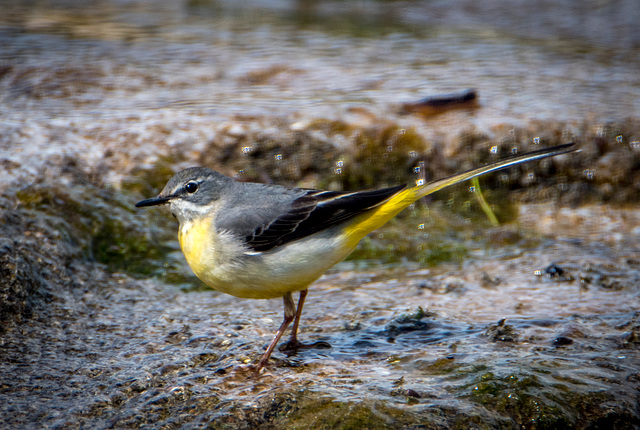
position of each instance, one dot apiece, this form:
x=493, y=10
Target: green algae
x=102, y=225
x=516, y=396
x=150, y=181
x=384, y=155
x=310, y=412
x=501, y=332
x=442, y=366
x=332, y=127
x=532, y=403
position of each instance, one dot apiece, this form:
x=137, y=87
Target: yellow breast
x=196, y=243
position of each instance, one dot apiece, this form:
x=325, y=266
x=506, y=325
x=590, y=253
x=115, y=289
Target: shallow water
x=105, y=355
x=530, y=324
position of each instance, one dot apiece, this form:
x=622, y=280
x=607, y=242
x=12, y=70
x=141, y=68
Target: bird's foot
x=294, y=345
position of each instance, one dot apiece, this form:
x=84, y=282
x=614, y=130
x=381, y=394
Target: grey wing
x=312, y=212
x=252, y=209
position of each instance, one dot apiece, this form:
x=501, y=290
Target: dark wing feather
x=316, y=211
x=264, y=238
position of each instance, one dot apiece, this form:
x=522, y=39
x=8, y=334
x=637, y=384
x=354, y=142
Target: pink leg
x=293, y=340
x=289, y=313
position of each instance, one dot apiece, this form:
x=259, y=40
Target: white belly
x=232, y=270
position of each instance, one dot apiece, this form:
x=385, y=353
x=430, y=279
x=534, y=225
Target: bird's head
x=191, y=193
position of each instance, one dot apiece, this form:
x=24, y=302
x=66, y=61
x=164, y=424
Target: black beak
x=154, y=201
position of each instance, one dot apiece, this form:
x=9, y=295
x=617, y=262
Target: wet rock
x=556, y=273
x=410, y=323
x=18, y=284
x=562, y=341
x=502, y=332
x=490, y=282
x=631, y=338
x=435, y=105
x=58, y=82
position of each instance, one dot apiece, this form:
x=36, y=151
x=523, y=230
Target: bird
x=263, y=241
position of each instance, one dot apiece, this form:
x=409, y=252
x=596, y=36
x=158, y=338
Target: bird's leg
x=293, y=343
x=289, y=313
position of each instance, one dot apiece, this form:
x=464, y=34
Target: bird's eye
x=191, y=187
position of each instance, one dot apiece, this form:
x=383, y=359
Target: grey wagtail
x=262, y=241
